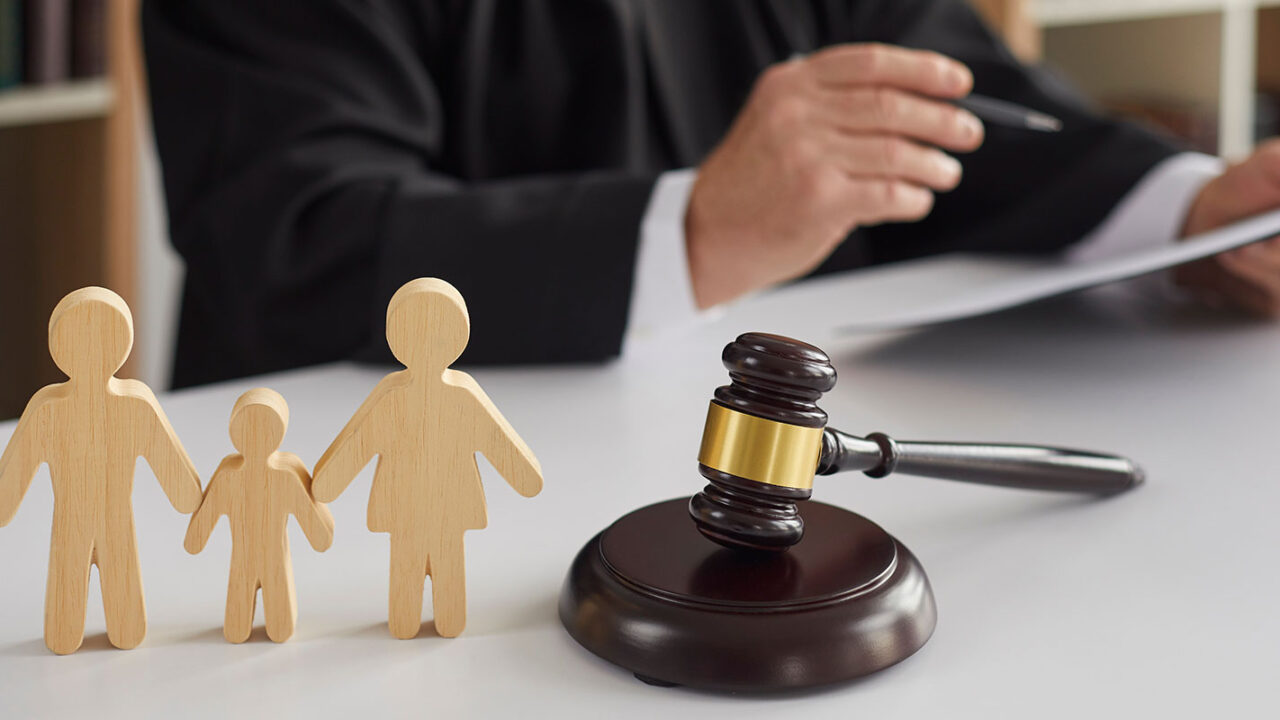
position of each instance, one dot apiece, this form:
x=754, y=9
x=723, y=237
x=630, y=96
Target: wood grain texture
x=90, y=430
x=425, y=424
x=650, y=594
x=257, y=489
x=123, y=130
x=69, y=211
x=47, y=249
x=120, y=149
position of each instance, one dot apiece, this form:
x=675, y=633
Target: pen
x=1008, y=114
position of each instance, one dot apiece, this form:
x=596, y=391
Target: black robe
x=319, y=153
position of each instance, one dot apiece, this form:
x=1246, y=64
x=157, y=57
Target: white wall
x=1173, y=58
x=159, y=270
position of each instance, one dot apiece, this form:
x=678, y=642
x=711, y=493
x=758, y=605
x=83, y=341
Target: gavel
x=766, y=438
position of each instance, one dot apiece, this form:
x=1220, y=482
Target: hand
x=325, y=489
x=848, y=136
x=323, y=539
x=1249, y=277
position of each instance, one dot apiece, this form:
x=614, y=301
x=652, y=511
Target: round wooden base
x=652, y=595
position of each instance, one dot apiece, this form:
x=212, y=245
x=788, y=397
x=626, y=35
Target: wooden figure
x=426, y=423
x=91, y=430
x=257, y=489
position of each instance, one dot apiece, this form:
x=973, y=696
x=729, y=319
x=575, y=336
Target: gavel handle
x=1017, y=466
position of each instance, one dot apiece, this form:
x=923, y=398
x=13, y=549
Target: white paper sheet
x=960, y=286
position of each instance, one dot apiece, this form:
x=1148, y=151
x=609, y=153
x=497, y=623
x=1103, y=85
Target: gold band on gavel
x=754, y=448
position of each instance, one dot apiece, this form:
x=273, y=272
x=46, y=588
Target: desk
x=1161, y=603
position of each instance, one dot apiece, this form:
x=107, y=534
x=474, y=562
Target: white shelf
x=1237, y=52
x=53, y=103
x=1051, y=13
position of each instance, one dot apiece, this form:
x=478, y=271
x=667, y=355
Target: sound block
x=654, y=596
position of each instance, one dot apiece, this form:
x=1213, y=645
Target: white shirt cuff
x=1153, y=212
x=662, y=289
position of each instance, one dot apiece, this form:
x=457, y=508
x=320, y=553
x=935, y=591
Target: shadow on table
x=529, y=616
x=36, y=647
x=1098, y=326
x=379, y=631
x=214, y=635
x=599, y=672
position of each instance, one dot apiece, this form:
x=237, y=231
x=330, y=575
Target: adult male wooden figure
x=426, y=423
x=91, y=430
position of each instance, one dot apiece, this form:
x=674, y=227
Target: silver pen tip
x=1042, y=122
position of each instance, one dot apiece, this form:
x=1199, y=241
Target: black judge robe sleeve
x=317, y=154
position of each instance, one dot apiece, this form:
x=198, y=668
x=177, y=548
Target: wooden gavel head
x=762, y=442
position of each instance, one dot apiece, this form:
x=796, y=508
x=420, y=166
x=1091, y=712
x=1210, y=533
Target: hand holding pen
x=850, y=136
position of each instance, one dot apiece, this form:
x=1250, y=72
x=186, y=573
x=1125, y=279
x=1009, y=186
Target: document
x=936, y=290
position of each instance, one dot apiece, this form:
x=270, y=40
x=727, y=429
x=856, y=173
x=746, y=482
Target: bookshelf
x=68, y=156
x=1053, y=13
x=73, y=100
x=1198, y=53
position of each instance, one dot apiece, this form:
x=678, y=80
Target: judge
x=587, y=172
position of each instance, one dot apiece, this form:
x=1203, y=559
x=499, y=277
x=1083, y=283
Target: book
x=10, y=43
x=88, y=38
x=48, y=41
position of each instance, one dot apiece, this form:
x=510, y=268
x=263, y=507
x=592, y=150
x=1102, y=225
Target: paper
x=958, y=286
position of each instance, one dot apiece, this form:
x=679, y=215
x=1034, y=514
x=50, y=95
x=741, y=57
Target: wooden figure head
x=427, y=324
x=258, y=422
x=90, y=334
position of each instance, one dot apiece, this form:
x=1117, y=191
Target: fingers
x=1247, y=188
x=919, y=71
x=1253, y=185
x=874, y=201
x=890, y=157
x=891, y=111
x=1254, y=282
x=1247, y=278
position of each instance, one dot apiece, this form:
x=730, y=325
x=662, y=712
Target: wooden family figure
x=91, y=430
x=425, y=423
x=257, y=489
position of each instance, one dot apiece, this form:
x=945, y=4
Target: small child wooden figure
x=257, y=489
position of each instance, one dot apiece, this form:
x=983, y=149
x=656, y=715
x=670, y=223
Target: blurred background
x=80, y=198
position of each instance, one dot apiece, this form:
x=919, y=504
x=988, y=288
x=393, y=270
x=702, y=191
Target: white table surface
x=1161, y=603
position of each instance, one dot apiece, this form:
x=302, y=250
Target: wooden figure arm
x=20, y=461
x=163, y=451
x=500, y=443
x=313, y=517
x=211, y=508
x=351, y=450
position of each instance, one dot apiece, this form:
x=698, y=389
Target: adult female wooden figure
x=426, y=423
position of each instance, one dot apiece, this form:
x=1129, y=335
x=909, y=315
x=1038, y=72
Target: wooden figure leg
x=408, y=576
x=242, y=597
x=122, y=599
x=449, y=591
x=67, y=591
x=280, y=606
